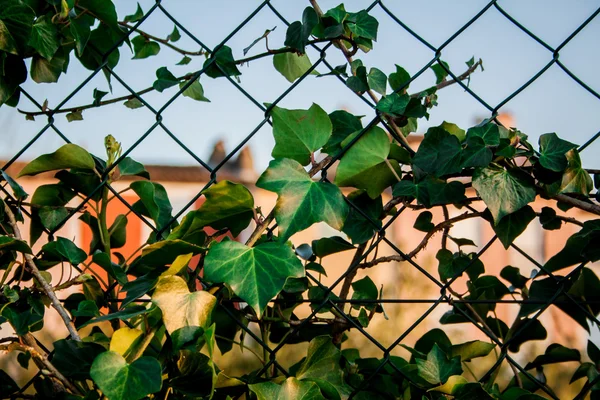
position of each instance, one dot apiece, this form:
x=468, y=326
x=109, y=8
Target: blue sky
x=554, y=103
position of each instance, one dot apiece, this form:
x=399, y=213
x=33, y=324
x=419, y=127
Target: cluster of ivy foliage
x=168, y=309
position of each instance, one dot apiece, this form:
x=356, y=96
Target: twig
x=583, y=205
x=163, y=41
x=444, y=84
x=45, y=285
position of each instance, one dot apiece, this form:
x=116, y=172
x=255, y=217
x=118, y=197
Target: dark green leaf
x=124, y=314
x=364, y=289
x=64, y=250
x=377, y=81
x=44, y=38
x=399, y=78
x=114, y=270
x=16, y=21
x=512, y=225
x=513, y=275
x=393, y=104
x=363, y=25
x=298, y=33
x=221, y=64
x=17, y=189
x=575, y=178
x=439, y=153
x=549, y=220
x=437, y=368
x=68, y=156
x=330, y=245
x=129, y=167
x=344, y=124
x=8, y=386
x=291, y=388
x=439, y=71
x=357, y=227
x=534, y=331
x=555, y=353
x=74, y=359
x=423, y=222
x=155, y=201
x=8, y=243
x=322, y=366
x=553, y=150
x=165, y=79
x=174, y=35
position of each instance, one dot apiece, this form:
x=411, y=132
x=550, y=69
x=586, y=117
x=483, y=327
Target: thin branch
x=583, y=205
x=293, y=50
x=441, y=226
x=45, y=285
x=461, y=77
x=163, y=41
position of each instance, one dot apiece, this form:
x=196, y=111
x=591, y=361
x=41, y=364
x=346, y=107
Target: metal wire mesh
x=561, y=295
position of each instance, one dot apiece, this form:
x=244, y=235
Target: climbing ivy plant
x=153, y=327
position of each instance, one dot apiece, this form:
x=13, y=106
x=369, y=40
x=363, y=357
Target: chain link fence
x=444, y=296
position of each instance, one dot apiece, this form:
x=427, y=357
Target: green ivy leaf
x=503, y=191
x=437, y=368
x=299, y=133
x=423, y=222
x=44, y=38
x=399, y=78
x=144, y=48
x=17, y=189
x=135, y=17
x=359, y=82
x=103, y=10
x=165, y=79
x=393, y=104
x=363, y=25
x=298, y=196
x=322, y=366
x=292, y=388
x=553, y=152
x=298, y=33
x=377, y=81
x=439, y=71
x=16, y=21
x=194, y=91
x=221, y=64
x=174, y=35
x=511, y=226
x=513, y=275
x=470, y=350
x=575, y=179
x=121, y=381
x=80, y=28
x=578, y=248
x=129, y=167
x=534, y=331
x=8, y=386
x=74, y=359
x=184, y=61
x=255, y=274
x=113, y=269
x=154, y=202
x=124, y=314
x=180, y=307
x=365, y=164
x=357, y=227
x=133, y=103
x=64, y=250
x=162, y=253
x=364, y=289
x=431, y=191
x=454, y=129
x=439, y=153
x=15, y=73
x=74, y=116
x=343, y=124
x=291, y=65
x=8, y=243
x=555, y=353
x=227, y=205
x=68, y=156
x=330, y=245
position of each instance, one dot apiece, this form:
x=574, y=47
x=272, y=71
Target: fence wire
x=561, y=297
